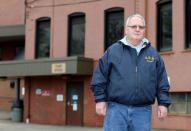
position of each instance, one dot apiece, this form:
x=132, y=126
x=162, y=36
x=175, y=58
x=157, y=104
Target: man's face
x=135, y=30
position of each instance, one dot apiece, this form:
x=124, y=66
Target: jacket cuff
x=100, y=98
x=164, y=104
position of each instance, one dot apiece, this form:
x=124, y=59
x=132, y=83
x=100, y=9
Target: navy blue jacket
x=124, y=77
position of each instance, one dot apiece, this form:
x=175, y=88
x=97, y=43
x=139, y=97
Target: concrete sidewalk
x=7, y=125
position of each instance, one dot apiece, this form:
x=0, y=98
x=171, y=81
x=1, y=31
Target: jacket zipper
x=136, y=70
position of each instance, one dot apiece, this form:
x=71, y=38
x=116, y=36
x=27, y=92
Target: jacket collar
x=143, y=43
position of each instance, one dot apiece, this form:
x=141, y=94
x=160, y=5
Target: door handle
x=68, y=103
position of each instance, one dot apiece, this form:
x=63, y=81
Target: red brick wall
x=7, y=94
x=45, y=109
x=90, y=116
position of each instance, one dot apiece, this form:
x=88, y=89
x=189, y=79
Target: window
x=181, y=103
x=188, y=23
x=0, y=53
x=19, y=52
x=164, y=27
x=114, y=25
x=42, y=38
x=76, y=34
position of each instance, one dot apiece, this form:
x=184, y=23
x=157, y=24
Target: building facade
x=12, y=43
x=62, y=42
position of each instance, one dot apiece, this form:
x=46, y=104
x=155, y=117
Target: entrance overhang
x=13, y=32
x=47, y=67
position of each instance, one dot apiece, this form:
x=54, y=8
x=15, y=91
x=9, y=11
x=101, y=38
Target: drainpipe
x=18, y=90
x=17, y=102
x=25, y=11
x=17, y=107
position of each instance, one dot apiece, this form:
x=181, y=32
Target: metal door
x=74, y=103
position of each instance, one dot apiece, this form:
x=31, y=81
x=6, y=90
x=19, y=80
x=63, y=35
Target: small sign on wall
x=75, y=107
x=38, y=91
x=58, y=68
x=45, y=93
x=59, y=97
x=23, y=90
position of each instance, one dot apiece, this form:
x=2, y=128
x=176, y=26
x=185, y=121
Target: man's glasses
x=136, y=26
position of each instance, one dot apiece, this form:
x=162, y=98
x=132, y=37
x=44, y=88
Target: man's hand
x=101, y=108
x=162, y=112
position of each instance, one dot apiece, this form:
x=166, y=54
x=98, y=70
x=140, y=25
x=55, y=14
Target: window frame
x=159, y=36
x=106, y=12
x=187, y=25
x=1, y=53
x=186, y=102
x=37, y=37
x=77, y=14
x=16, y=55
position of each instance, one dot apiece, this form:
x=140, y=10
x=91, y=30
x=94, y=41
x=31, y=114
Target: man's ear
x=125, y=30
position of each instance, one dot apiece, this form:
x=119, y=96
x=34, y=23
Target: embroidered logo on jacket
x=149, y=58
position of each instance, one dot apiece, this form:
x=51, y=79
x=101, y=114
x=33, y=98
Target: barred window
x=188, y=23
x=164, y=25
x=42, y=38
x=181, y=103
x=114, y=25
x=76, y=34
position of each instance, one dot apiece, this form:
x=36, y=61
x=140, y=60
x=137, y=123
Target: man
x=127, y=79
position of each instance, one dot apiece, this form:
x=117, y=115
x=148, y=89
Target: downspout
x=17, y=102
x=17, y=107
x=52, y=30
x=25, y=12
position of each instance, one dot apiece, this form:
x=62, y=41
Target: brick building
x=12, y=43
x=54, y=45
